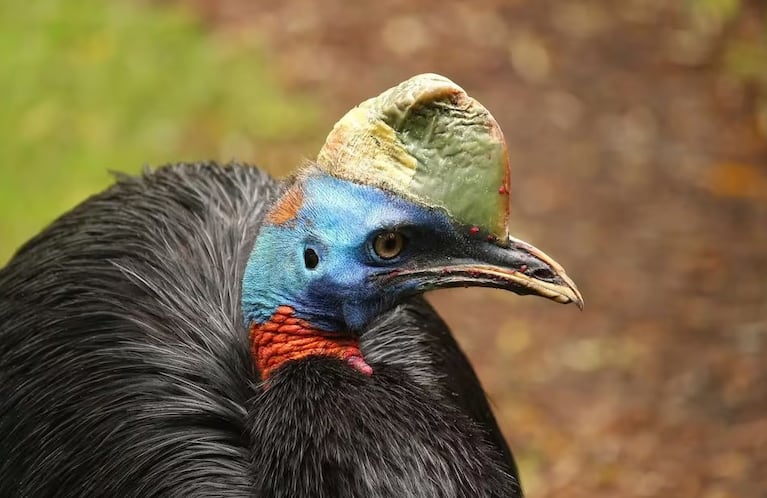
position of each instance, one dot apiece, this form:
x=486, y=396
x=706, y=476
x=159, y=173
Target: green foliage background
x=90, y=86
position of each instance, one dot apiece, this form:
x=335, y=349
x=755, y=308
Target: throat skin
x=284, y=338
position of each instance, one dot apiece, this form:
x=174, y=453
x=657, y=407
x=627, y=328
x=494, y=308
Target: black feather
x=125, y=368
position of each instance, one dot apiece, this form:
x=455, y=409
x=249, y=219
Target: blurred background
x=638, y=136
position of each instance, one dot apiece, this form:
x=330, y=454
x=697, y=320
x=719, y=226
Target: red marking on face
x=474, y=230
x=284, y=338
x=503, y=190
x=287, y=207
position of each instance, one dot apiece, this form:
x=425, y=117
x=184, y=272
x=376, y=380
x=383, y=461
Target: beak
x=518, y=267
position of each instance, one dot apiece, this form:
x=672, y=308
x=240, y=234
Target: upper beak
x=518, y=267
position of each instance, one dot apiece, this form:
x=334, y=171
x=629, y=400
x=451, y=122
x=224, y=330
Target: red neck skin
x=284, y=337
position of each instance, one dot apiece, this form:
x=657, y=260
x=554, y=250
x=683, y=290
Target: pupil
x=311, y=259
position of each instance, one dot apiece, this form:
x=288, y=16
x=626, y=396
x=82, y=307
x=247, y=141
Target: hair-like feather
x=125, y=368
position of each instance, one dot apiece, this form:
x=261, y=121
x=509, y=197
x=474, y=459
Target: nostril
x=542, y=274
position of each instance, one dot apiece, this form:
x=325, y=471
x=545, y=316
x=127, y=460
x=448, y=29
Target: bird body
x=124, y=369
x=205, y=330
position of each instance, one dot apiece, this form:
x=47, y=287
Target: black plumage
x=125, y=367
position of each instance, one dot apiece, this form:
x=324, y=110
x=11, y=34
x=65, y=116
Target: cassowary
x=205, y=330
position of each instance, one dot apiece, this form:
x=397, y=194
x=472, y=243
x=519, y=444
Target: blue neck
x=276, y=274
x=337, y=220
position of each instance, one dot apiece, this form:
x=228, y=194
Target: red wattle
x=284, y=337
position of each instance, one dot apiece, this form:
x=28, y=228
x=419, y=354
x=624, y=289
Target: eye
x=311, y=260
x=389, y=245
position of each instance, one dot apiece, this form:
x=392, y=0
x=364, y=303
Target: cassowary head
x=409, y=193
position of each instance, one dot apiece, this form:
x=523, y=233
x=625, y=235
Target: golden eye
x=389, y=245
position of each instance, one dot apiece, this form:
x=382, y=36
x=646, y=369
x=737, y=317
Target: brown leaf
x=743, y=181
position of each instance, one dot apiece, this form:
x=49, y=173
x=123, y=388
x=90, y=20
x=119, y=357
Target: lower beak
x=518, y=267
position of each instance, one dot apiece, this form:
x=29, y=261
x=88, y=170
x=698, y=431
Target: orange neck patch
x=284, y=338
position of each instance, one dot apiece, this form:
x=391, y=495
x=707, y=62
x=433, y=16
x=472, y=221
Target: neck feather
x=283, y=338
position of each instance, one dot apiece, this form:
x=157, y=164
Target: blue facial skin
x=339, y=221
